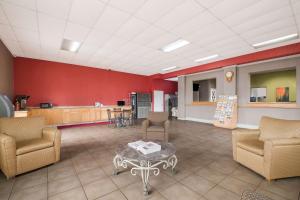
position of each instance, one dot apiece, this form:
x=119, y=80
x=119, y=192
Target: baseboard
x=247, y=126
x=207, y=121
x=180, y=118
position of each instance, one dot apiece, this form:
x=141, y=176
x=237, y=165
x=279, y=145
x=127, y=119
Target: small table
x=126, y=155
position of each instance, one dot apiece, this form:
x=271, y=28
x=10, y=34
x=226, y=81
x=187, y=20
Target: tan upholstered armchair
x=272, y=151
x=26, y=145
x=157, y=122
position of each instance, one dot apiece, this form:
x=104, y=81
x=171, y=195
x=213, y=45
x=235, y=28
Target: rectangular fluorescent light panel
x=169, y=68
x=70, y=45
x=175, y=45
x=276, y=40
x=207, y=58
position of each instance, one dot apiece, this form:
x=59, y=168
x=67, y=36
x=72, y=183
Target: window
x=276, y=86
x=204, y=90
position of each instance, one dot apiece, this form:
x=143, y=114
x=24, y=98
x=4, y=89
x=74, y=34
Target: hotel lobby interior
x=149, y=99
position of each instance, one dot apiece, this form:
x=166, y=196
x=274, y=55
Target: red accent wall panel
x=169, y=87
x=67, y=84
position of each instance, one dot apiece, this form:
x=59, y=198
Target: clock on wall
x=229, y=75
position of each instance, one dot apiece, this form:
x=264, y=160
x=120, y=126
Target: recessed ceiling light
x=70, y=45
x=207, y=58
x=276, y=40
x=169, y=68
x=175, y=45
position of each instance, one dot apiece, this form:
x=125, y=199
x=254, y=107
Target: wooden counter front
x=72, y=115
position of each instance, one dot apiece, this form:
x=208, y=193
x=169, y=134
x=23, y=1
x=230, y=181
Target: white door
x=166, y=107
x=158, y=100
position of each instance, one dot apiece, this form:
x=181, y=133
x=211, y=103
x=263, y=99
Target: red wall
x=67, y=84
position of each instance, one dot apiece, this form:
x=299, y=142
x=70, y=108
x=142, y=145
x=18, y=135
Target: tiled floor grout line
x=76, y=173
x=47, y=181
x=12, y=187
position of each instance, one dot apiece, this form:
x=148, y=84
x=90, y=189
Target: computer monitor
x=6, y=107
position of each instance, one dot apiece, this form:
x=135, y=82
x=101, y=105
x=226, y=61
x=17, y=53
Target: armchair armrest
x=8, y=160
x=53, y=134
x=242, y=134
x=145, y=125
x=167, y=125
x=281, y=158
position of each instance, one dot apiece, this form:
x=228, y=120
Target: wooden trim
x=271, y=105
x=202, y=103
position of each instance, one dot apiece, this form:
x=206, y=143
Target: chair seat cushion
x=32, y=145
x=155, y=129
x=253, y=146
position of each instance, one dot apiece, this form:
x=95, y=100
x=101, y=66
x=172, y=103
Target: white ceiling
x=126, y=35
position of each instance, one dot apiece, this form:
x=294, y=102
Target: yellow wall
x=273, y=80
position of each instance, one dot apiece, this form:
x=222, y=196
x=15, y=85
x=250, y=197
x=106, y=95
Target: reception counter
x=69, y=115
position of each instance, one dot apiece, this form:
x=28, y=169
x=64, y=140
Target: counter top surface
x=70, y=107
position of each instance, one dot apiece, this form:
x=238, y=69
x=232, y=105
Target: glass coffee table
x=129, y=157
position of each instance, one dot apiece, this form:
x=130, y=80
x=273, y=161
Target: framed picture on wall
x=282, y=94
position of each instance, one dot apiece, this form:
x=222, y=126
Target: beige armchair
x=272, y=151
x=157, y=122
x=26, y=145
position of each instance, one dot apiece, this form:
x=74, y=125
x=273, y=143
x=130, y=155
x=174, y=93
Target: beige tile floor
x=205, y=170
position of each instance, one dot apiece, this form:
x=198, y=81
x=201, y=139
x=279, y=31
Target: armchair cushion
x=271, y=128
x=254, y=146
x=32, y=145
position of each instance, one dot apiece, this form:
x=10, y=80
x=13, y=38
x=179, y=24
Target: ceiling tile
x=24, y=35
x=201, y=20
x=229, y=7
x=56, y=8
x=30, y=4
x=296, y=7
x=111, y=20
x=76, y=32
x=271, y=27
x=210, y=33
x=255, y=11
x=148, y=35
x=51, y=36
x=3, y=18
x=129, y=5
x=272, y=35
x=87, y=50
x=13, y=47
x=97, y=37
x=131, y=28
x=154, y=9
x=110, y=46
x=20, y=17
x=263, y=20
x=179, y=14
x=31, y=49
x=209, y=3
x=86, y=12
x=162, y=41
x=51, y=42
x=7, y=33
